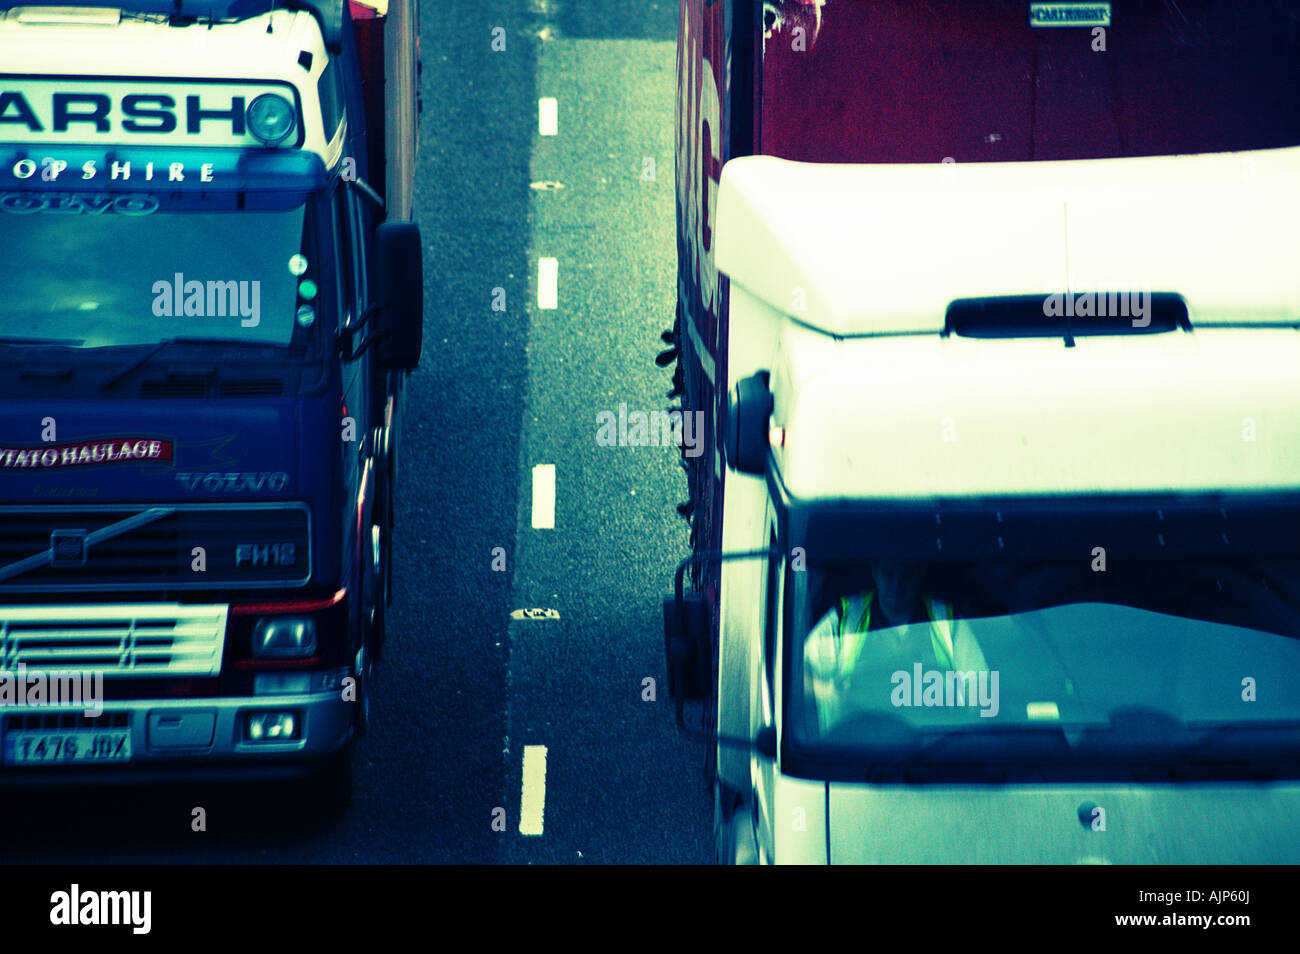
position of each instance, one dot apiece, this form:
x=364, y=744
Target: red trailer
x=388, y=47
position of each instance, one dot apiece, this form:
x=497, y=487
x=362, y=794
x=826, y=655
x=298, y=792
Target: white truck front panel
x=1207, y=823
x=928, y=416
x=196, y=70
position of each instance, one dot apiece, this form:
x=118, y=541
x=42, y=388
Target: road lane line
x=544, y=497
x=548, y=116
x=535, y=612
x=532, y=801
x=548, y=282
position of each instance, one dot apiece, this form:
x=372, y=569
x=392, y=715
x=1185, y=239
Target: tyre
x=733, y=828
x=378, y=552
x=376, y=605
x=327, y=790
x=338, y=779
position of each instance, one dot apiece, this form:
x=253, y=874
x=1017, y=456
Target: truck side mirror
x=749, y=408
x=688, y=638
x=688, y=646
x=400, y=293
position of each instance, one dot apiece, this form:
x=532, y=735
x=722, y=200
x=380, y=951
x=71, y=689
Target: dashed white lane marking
x=532, y=801
x=548, y=282
x=544, y=497
x=548, y=115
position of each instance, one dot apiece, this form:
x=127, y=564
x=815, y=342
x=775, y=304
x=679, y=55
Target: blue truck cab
x=208, y=315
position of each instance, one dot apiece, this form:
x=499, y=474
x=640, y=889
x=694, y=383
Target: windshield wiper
x=1257, y=733
x=1028, y=739
x=1052, y=733
x=911, y=750
x=66, y=342
x=167, y=343
x=1153, y=740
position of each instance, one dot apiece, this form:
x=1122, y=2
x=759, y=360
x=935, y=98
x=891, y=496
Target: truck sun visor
x=1067, y=315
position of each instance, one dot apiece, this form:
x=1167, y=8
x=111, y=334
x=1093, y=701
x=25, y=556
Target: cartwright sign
x=1069, y=14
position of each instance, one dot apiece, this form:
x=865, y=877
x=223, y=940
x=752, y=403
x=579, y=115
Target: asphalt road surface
x=505, y=397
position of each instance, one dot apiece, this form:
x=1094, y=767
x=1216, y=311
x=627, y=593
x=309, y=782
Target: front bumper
x=171, y=741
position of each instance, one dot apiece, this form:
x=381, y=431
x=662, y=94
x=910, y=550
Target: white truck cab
x=989, y=316
x=1047, y=399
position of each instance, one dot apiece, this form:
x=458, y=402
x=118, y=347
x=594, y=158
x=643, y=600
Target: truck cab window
x=1042, y=630
x=330, y=87
x=348, y=309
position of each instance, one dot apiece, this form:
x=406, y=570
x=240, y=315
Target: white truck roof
x=878, y=249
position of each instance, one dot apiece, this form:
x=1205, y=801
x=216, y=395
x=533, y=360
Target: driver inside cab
x=893, y=619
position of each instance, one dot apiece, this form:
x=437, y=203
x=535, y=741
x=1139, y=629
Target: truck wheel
x=390, y=515
x=386, y=482
x=334, y=783
x=364, y=664
x=324, y=793
x=376, y=606
x=377, y=549
x=733, y=828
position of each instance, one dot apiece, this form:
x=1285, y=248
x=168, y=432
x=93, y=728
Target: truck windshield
x=1068, y=622
x=901, y=81
x=109, y=270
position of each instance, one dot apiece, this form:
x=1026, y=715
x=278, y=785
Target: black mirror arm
x=345, y=335
x=710, y=556
x=766, y=747
x=714, y=556
x=368, y=342
x=364, y=187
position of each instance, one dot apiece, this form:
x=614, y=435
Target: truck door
x=357, y=375
x=353, y=296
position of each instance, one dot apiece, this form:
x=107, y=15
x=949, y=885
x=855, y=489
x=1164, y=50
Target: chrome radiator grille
x=142, y=639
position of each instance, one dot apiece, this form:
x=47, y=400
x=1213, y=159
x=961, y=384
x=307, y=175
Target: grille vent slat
x=159, y=554
x=146, y=639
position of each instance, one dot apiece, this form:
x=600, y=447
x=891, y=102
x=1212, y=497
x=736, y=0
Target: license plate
x=68, y=746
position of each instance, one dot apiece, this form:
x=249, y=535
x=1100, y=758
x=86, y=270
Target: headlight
x=271, y=119
x=284, y=637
